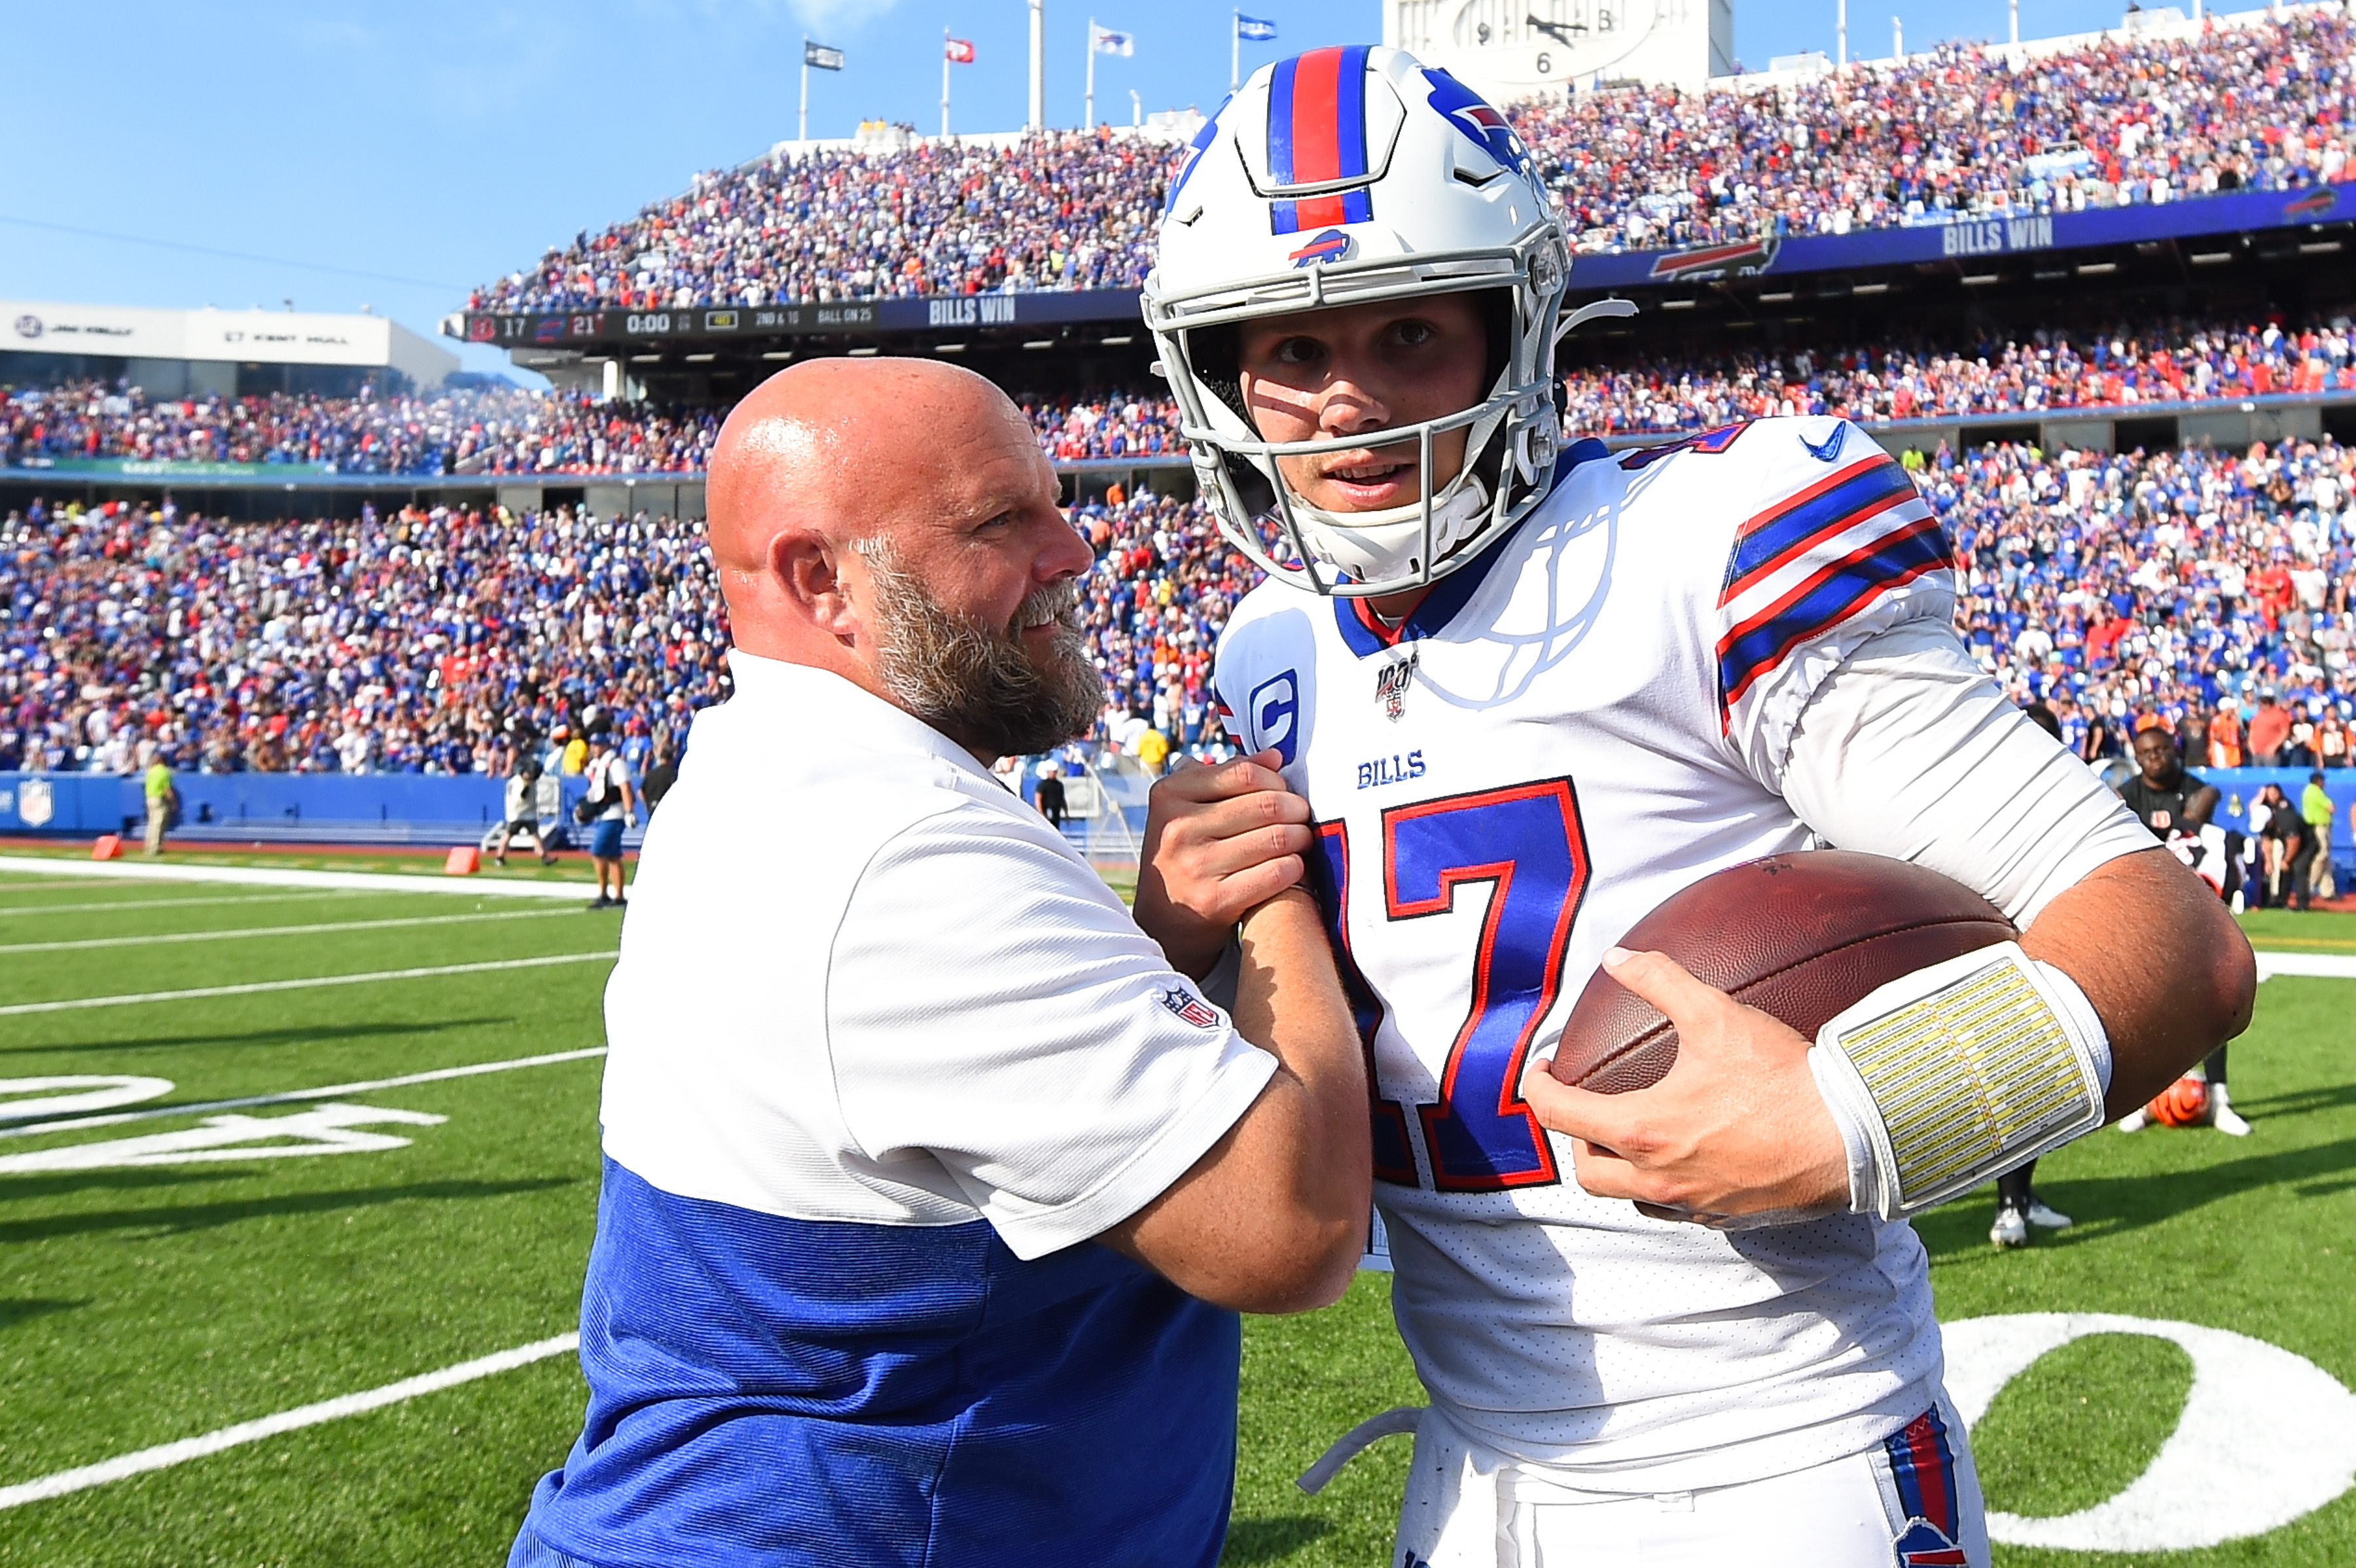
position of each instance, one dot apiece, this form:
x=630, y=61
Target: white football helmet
x=1336, y=178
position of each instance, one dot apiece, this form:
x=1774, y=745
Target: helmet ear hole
x=1216, y=354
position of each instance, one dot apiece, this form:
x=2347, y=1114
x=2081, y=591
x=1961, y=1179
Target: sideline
x=475, y=1069
x=80, y=942
x=72, y=1004
x=2328, y=966
x=14, y=911
x=165, y=1455
x=267, y=877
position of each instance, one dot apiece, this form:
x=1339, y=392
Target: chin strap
x=1464, y=501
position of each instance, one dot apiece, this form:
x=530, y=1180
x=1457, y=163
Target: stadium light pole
x=2016, y=21
x=1897, y=38
x=945, y=84
x=1136, y=110
x=801, y=131
x=1038, y=65
x=1841, y=29
x=1089, y=115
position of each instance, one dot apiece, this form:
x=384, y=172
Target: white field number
x=335, y=1128
x=2266, y=1436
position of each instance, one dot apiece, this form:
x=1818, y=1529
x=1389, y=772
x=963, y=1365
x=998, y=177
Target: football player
x=1528, y=688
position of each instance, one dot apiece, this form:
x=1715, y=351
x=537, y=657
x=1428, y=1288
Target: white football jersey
x=1587, y=719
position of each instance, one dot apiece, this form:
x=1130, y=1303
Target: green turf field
x=146, y=1298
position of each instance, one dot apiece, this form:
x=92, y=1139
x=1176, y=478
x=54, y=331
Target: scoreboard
x=1507, y=49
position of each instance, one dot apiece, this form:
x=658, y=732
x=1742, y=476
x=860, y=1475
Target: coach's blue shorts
x=606, y=840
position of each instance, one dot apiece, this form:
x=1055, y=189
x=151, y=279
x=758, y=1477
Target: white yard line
x=437, y=1075
x=83, y=942
x=271, y=876
x=9, y=911
x=8, y=884
x=2325, y=965
x=166, y=1455
x=72, y=1004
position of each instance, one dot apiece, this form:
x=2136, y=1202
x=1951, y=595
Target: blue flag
x=1255, y=31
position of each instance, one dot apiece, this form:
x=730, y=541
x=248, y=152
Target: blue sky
x=436, y=144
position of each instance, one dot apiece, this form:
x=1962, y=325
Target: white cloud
x=830, y=13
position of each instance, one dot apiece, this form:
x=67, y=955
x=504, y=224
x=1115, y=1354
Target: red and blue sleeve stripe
x=1317, y=136
x=1806, y=522
x=1821, y=600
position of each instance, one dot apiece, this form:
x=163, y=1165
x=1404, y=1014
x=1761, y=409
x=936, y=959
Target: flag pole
x=1038, y=65
x=945, y=83
x=1089, y=120
x=802, y=133
x=1235, y=50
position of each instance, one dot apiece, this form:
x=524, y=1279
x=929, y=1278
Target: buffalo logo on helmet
x=1332, y=245
x=1203, y=137
x=1477, y=118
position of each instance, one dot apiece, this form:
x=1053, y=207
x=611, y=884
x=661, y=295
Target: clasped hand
x=1219, y=841
x=1736, y=1135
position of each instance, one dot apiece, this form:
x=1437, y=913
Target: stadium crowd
x=2263, y=104
x=2111, y=586
x=1057, y=210
x=2196, y=587
x=2046, y=369
x=1962, y=129
x=417, y=641
x=476, y=431
x=503, y=432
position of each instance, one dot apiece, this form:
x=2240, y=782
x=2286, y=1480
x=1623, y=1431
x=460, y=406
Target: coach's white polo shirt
x=886, y=1053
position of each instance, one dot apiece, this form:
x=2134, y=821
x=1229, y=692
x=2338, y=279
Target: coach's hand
x=1737, y=1134
x=1218, y=841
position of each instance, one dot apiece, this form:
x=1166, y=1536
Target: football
x=2184, y=1103
x=1799, y=936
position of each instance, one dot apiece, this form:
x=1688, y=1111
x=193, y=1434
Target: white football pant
x=1912, y=1500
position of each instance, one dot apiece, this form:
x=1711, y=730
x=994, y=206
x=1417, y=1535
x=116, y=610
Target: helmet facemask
x=1512, y=431
x=1355, y=175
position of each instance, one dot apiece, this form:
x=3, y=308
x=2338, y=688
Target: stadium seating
x=412, y=641
x=2261, y=107
x=519, y=432
x=2260, y=104
x=478, y=432
x=418, y=640
x=1058, y=211
x=2052, y=367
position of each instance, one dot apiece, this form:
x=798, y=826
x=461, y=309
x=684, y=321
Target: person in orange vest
x=2225, y=736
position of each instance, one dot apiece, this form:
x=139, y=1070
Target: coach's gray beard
x=977, y=684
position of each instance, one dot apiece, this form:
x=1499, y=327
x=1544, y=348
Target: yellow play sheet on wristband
x=1980, y=1067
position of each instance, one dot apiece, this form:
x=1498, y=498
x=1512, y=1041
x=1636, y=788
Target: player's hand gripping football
x=1736, y=1135
x=1218, y=840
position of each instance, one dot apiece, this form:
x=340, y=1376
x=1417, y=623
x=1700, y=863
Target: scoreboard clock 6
x=1509, y=48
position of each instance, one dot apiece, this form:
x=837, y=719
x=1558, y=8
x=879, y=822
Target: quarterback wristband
x=1959, y=1073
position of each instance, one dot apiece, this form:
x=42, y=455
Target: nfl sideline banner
x=1972, y=240
x=614, y=325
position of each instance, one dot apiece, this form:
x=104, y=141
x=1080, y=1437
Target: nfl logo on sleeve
x=1190, y=1007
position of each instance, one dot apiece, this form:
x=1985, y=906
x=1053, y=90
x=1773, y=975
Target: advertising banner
x=145, y=469
x=613, y=325
x=1977, y=239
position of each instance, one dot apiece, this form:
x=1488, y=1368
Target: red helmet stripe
x=1317, y=121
